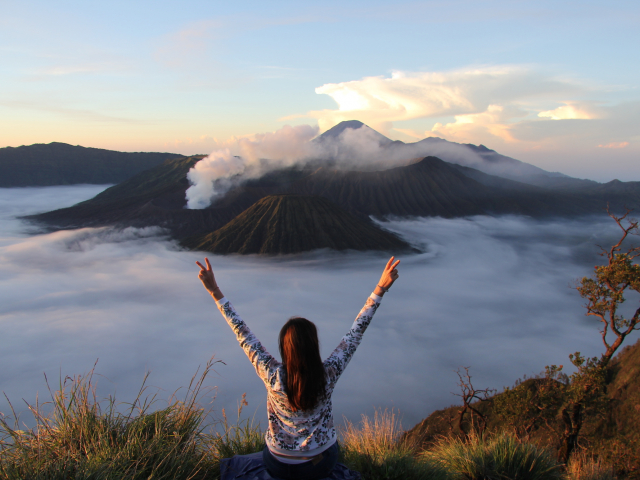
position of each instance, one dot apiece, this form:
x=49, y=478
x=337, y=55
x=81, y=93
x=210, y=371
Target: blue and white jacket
x=298, y=433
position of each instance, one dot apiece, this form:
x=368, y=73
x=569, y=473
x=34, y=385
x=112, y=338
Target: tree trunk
x=572, y=426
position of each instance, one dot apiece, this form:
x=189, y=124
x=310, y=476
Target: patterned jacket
x=298, y=433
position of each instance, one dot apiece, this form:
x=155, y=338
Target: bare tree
x=469, y=395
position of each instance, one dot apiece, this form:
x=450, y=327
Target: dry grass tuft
x=584, y=467
x=500, y=456
x=375, y=450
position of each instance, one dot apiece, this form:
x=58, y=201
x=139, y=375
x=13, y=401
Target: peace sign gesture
x=389, y=275
x=208, y=280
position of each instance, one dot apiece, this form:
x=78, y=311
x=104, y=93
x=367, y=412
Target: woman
x=301, y=438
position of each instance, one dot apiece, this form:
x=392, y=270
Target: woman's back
x=292, y=431
x=301, y=438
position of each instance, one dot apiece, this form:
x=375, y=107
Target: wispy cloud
x=77, y=114
x=84, y=68
x=194, y=40
x=615, y=145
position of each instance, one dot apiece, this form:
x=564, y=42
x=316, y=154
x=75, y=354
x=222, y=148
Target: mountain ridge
x=59, y=163
x=426, y=187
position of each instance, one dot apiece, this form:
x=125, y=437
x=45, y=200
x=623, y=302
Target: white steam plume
x=244, y=158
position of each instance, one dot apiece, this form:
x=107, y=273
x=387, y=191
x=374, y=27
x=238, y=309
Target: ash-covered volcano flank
x=280, y=224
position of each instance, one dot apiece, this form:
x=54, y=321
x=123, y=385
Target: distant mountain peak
x=334, y=132
x=355, y=124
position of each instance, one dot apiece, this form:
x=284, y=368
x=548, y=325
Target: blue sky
x=551, y=83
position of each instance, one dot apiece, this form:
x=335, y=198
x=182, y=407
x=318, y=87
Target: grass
x=241, y=438
x=84, y=438
x=81, y=437
x=375, y=450
x=501, y=456
x=583, y=467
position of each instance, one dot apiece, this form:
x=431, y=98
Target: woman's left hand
x=389, y=275
x=208, y=280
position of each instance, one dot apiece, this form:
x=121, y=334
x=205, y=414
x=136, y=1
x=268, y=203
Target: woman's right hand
x=389, y=275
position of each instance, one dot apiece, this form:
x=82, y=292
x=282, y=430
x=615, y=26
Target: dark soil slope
x=433, y=187
x=280, y=224
x=63, y=164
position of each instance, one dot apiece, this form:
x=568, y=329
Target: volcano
x=280, y=224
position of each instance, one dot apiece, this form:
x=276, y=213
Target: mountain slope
x=63, y=164
x=478, y=157
x=334, y=132
x=429, y=187
x=153, y=197
x=281, y=224
x=432, y=187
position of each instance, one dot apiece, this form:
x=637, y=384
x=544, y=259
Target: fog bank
x=490, y=293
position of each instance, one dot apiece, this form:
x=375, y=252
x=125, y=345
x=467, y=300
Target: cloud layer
x=490, y=293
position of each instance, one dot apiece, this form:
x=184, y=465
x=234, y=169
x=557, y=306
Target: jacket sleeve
x=340, y=357
x=262, y=360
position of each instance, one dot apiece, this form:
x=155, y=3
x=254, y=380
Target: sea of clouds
x=492, y=293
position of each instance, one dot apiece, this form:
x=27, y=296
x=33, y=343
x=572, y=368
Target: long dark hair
x=300, y=352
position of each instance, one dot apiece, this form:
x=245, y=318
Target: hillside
x=280, y=224
x=615, y=434
x=63, y=164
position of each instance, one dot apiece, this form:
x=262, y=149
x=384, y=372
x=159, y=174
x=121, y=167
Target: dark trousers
x=302, y=471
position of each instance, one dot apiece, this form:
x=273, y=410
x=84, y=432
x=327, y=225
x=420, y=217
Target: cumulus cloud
x=492, y=293
x=514, y=108
x=409, y=95
x=567, y=112
x=494, y=122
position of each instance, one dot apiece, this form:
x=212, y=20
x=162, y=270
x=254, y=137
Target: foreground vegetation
x=84, y=438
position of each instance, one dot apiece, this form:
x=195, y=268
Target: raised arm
x=261, y=359
x=341, y=356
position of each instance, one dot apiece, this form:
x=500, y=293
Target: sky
x=552, y=83
x=490, y=293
